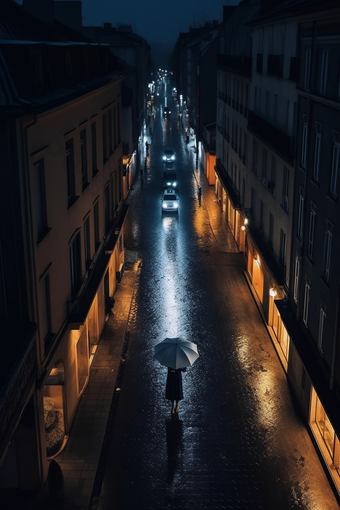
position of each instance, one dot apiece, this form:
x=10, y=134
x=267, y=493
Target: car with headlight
x=170, y=201
x=169, y=179
x=169, y=155
x=166, y=112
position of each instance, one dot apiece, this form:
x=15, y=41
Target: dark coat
x=174, y=387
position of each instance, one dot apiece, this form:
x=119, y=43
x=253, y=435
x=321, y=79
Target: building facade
x=62, y=242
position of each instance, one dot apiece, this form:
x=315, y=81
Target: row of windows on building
x=328, y=234
x=110, y=140
x=319, y=148
x=328, y=83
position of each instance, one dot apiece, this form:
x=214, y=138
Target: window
x=39, y=174
x=335, y=169
x=83, y=158
x=307, y=68
x=71, y=185
x=304, y=143
x=317, y=156
x=324, y=71
x=322, y=319
x=296, y=279
x=94, y=148
x=306, y=303
x=312, y=217
x=104, y=138
x=96, y=224
x=328, y=249
x=87, y=242
x=300, y=216
x=75, y=263
x=285, y=189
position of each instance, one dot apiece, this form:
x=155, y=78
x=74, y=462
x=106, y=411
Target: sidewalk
x=224, y=238
x=79, y=460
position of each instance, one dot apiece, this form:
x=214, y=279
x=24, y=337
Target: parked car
x=166, y=112
x=169, y=155
x=170, y=179
x=170, y=201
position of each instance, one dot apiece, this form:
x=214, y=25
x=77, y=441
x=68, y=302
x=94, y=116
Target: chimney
x=41, y=9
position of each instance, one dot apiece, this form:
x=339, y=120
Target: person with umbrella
x=176, y=354
x=174, y=387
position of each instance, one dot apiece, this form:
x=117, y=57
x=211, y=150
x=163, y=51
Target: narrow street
x=237, y=441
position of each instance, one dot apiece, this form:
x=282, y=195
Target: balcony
x=80, y=307
x=276, y=139
x=228, y=184
x=235, y=63
x=267, y=255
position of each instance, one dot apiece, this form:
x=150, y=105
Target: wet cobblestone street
x=237, y=441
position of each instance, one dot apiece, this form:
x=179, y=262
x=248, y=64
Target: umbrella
x=176, y=353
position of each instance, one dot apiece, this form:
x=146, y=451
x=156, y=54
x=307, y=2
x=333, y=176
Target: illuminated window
x=53, y=404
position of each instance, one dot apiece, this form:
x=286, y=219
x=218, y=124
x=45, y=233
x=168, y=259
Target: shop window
x=53, y=403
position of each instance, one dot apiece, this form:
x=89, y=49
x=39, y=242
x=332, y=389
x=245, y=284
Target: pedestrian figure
x=199, y=193
x=174, y=387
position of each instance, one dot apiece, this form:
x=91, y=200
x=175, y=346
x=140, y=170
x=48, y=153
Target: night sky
x=159, y=22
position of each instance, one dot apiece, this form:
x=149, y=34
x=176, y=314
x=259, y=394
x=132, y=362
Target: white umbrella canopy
x=176, y=353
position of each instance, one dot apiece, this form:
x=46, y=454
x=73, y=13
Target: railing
x=272, y=136
x=239, y=64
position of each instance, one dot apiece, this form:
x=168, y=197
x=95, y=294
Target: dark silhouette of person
x=174, y=387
